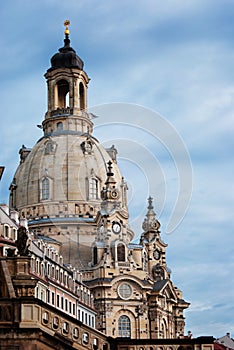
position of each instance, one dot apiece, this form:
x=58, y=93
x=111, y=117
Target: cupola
x=67, y=92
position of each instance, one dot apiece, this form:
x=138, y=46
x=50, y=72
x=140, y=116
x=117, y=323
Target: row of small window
x=9, y=232
x=50, y=252
x=61, y=302
x=61, y=276
x=46, y=188
x=50, y=271
x=68, y=306
x=86, y=318
x=65, y=327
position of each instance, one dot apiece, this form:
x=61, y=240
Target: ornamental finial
x=150, y=203
x=66, y=24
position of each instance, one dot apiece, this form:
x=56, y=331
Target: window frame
x=124, y=327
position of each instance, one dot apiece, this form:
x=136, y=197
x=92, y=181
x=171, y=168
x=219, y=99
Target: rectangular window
x=57, y=300
x=48, y=296
x=6, y=229
x=93, y=188
x=52, y=298
x=45, y=189
x=74, y=309
x=70, y=307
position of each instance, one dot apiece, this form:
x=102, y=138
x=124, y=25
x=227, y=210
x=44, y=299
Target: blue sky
x=169, y=59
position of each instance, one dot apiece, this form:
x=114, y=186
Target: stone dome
x=58, y=188
x=58, y=184
x=75, y=166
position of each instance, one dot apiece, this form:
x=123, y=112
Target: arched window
x=59, y=126
x=55, y=323
x=45, y=317
x=62, y=93
x=85, y=338
x=65, y=328
x=121, y=252
x=45, y=188
x=124, y=327
x=93, y=188
x=82, y=96
x=6, y=231
x=164, y=329
x=75, y=333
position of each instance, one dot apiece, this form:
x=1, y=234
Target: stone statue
x=21, y=242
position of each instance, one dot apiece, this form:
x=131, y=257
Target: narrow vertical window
x=82, y=96
x=45, y=190
x=6, y=231
x=93, y=188
x=124, y=327
x=121, y=252
x=95, y=255
x=62, y=95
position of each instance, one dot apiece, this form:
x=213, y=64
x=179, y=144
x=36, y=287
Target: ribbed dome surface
x=69, y=161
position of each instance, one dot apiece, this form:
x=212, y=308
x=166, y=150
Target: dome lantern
x=67, y=91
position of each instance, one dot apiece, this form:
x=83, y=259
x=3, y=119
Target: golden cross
x=66, y=24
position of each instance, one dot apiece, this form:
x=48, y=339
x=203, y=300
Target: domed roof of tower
x=66, y=57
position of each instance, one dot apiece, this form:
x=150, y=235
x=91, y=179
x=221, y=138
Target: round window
x=125, y=291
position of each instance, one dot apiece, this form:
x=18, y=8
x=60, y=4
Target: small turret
x=110, y=192
x=150, y=225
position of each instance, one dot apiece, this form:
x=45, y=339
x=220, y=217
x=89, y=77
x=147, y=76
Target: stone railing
x=62, y=111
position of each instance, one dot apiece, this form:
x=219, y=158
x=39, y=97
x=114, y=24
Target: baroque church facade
x=69, y=189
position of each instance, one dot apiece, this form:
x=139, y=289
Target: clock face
x=114, y=194
x=157, y=254
x=116, y=228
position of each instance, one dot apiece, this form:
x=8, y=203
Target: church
x=71, y=249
